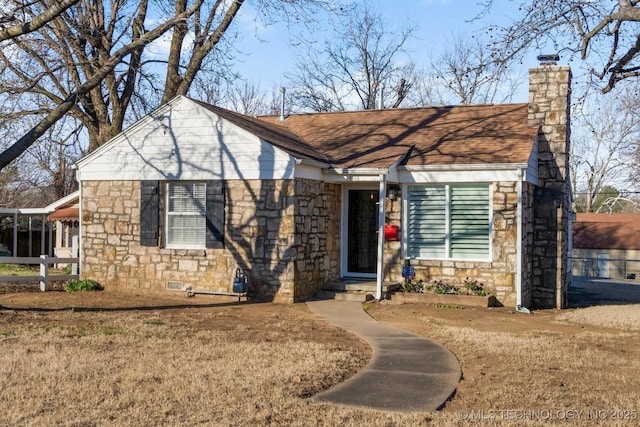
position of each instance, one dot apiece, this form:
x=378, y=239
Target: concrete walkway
x=407, y=373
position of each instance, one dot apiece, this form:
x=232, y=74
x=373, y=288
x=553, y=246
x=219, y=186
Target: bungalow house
x=192, y=191
x=606, y=245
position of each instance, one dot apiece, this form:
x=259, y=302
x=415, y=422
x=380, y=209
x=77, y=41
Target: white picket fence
x=44, y=277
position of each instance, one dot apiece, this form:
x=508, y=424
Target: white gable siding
x=532, y=169
x=457, y=176
x=184, y=141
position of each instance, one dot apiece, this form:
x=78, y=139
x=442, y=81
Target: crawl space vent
x=174, y=286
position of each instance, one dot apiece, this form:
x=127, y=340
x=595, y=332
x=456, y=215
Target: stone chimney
x=549, y=104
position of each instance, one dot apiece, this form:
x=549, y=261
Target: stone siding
x=549, y=103
x=527, y=244
x=393, y=248
x=263, y=220
x=317, y=229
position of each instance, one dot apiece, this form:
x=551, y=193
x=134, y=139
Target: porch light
x=394, y=192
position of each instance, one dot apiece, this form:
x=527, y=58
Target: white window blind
x=469, y=219
x=427, y=222
x=186, y=214
x=449, y=221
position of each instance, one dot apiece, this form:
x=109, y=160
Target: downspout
x=519, y=243
x=381, y=217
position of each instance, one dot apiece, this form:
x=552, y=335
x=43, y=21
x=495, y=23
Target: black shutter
x=149, y=212
x=215, y=214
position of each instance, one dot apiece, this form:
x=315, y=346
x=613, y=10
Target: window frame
x=202, y=213
x=446, y=253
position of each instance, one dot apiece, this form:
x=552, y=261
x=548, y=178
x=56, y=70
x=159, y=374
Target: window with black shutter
x=194, y=214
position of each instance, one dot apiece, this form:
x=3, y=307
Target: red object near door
x=391, y=232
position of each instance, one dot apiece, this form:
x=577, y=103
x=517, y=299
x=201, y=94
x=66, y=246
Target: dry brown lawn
x=102, y=358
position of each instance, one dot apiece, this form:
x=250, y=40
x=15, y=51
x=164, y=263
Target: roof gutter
x=377, y=172
x=310, y=162
x=464, y=167
x=26, y=211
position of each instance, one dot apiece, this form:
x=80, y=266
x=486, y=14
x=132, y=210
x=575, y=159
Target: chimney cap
x=548, y=59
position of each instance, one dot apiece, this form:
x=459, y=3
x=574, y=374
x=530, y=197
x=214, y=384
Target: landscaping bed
x=446, y=299
x=470, y=293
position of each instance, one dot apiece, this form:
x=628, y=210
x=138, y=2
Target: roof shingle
x=461, y=135
x=478, y=134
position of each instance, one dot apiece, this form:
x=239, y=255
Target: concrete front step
x=355, y=291
x=346, y=295
x=360, y=286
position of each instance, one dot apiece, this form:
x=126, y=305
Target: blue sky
x=269, y=54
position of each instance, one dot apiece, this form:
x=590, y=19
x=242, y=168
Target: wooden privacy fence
x=44, y=277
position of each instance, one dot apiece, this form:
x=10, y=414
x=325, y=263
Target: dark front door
x=362, y=232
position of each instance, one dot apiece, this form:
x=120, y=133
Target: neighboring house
x=66, y=215
x=64, y=212
x=192, y=191
x=606, y=245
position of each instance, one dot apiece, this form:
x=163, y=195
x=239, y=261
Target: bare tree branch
x=36, y=23
x=603, y=33
x=67, y=104
x=606, y=136
x=356, y=62
x=67, y=66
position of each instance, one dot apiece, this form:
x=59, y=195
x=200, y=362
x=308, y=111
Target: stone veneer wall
x=528, y=226
x=393, y=249
x=263, y=220
x=317, y=228
x=497, y=275
x=549, y=103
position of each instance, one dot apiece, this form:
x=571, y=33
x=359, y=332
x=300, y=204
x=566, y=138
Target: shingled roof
x=459, y=135
x=474, y=134
x=606, y=231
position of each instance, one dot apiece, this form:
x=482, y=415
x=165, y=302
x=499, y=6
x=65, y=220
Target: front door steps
x=356, y=290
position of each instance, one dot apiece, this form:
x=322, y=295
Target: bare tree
x=358, y=60
x=606, y=135
x=12, y=187
x=71, y=68
x=212, y=90
x=248, y=98
x=425, y=90
x=46, y=166
x=465, y=73
x=24, y=22
x=604, y=31
x=93, y=59
x=636, y=168
x=51, y=159
x=618, y=203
